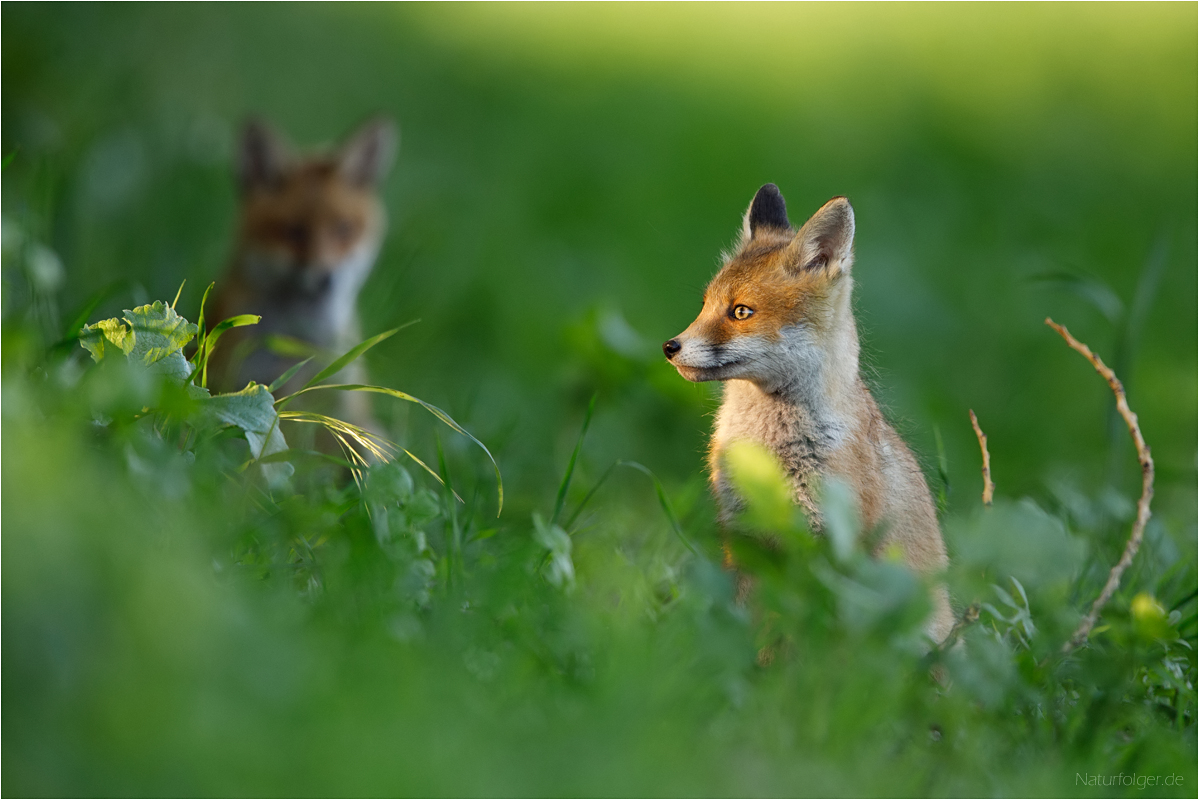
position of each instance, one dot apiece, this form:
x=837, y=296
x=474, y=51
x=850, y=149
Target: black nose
x=671, y=347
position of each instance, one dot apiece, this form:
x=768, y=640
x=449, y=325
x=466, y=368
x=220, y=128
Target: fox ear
x=366, y=157
x=768, y=210
x=262, y=156
x=826, y=240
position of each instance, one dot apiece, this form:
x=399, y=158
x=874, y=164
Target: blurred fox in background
x=310, y=229
x=777, y=326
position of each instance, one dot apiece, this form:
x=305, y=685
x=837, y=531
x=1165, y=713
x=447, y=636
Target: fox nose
x=671, y=348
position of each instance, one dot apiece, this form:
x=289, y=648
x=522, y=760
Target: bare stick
x=988, y=484
x=1146, y=461
x=968, y=618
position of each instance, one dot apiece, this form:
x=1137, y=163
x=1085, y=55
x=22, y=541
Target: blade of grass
x=290, y=346
x=663, y=500
x=430, y=470
x=287, y=376
x=340, y=431
x=587, y=497
x=574, y=457
x=1186, y=599
x=177, y=294
x=432, y=409
x=200, y=323
x=942, y=472
x=240, y=321
x=355, y=471
x=354, y=352
x=373, y=443
x=1089, y=289
x=1128, y=343
x=453, y=535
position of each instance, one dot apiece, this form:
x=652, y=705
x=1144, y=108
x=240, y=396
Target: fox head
x=311, y=225
x=778, y=312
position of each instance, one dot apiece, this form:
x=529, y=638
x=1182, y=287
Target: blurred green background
x=568, y=174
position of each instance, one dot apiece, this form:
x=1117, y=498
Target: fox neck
x=816, y=368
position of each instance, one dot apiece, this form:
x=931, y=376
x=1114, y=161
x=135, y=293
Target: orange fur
x=778, y=328
x=308, y=233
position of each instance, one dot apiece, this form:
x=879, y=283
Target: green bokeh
x=566, y=180
x=559, y=160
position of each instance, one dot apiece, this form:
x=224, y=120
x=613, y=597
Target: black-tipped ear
x=367, y=155
x=768, y=210
x=262, y=156
x=826, y=240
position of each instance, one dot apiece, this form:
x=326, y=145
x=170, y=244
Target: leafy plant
x=154, y=336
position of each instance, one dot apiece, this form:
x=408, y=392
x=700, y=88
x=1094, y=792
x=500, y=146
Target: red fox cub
x=778, y=328
x=309, y=232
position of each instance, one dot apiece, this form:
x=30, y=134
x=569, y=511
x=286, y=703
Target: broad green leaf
x=253, y=410
x=1015, y=539
x=113, y=331
x=875, y=594
x=151, y=335
x=174, y=366
x=560, y=568
x=158, y=333
x=1149, y=616
x=388, y=484
x=759, y=479
x=840, y=511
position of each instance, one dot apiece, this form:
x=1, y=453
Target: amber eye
x=742, y=312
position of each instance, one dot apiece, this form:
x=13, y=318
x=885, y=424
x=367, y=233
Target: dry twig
x=988, y=484
x=968, y=618
x=1146, y=461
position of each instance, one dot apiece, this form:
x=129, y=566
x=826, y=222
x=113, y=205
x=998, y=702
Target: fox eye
x=742, y=312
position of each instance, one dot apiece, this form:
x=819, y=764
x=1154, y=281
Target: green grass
x=566, y=179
